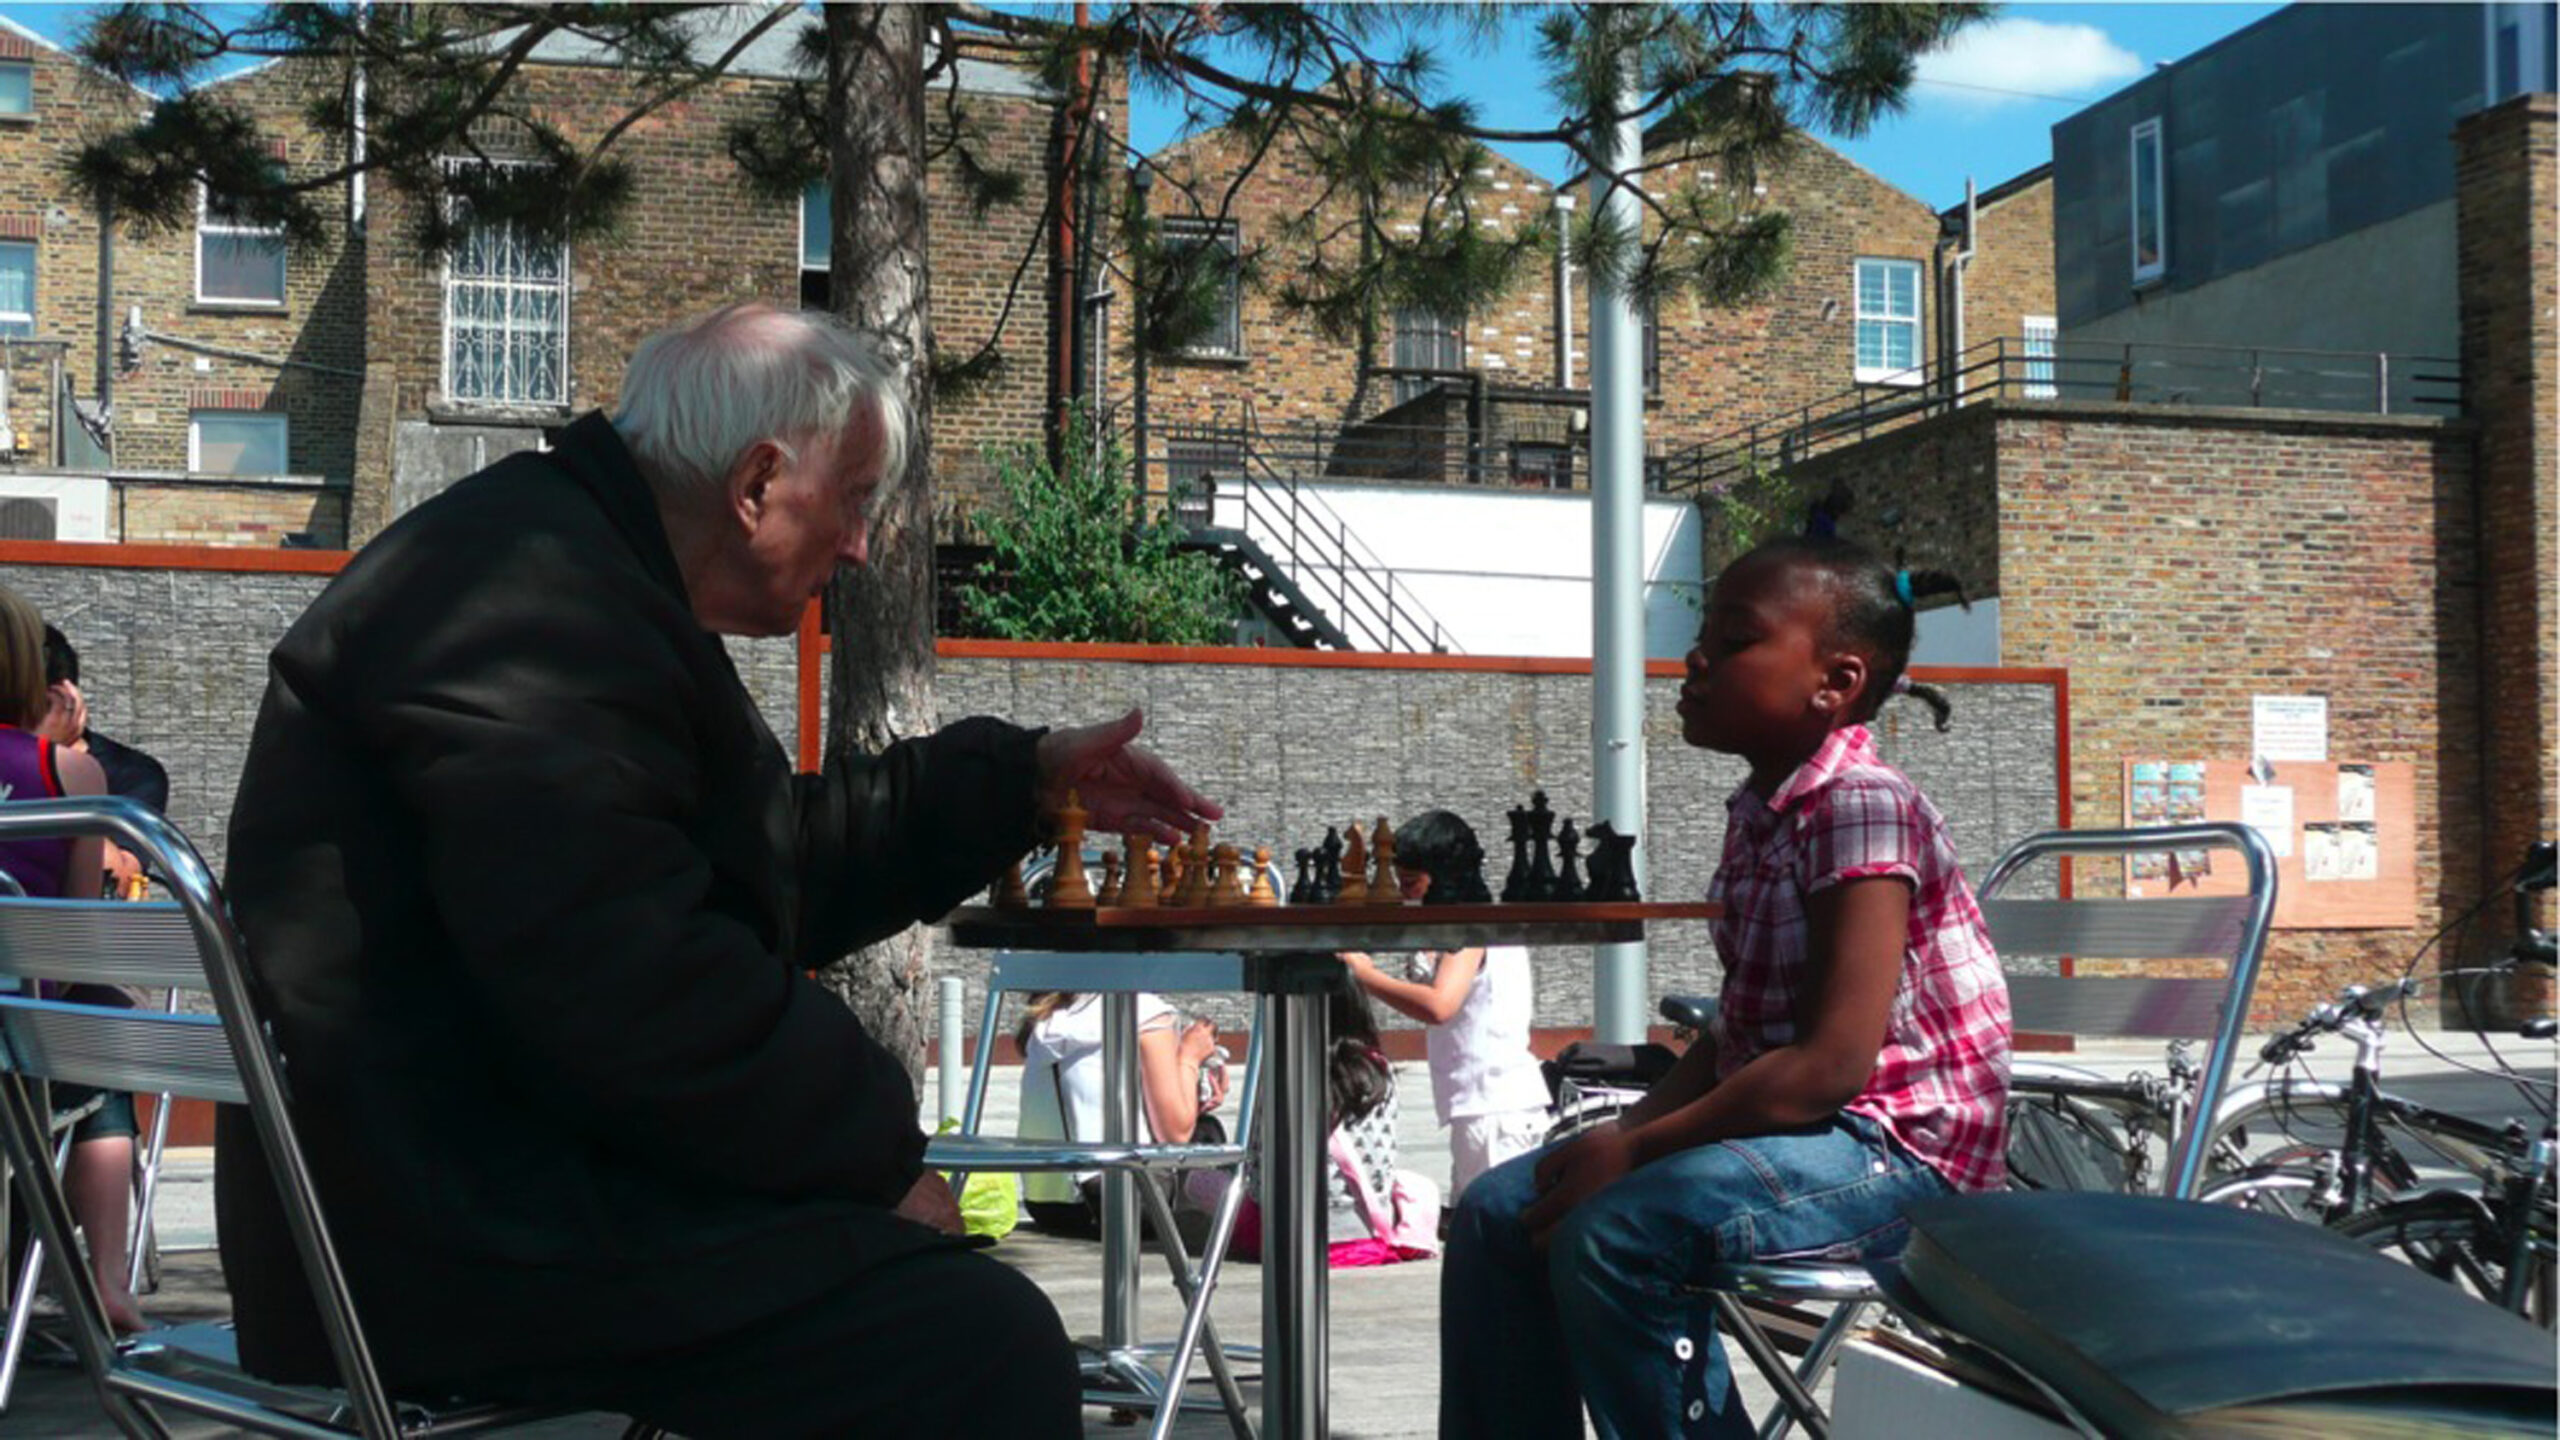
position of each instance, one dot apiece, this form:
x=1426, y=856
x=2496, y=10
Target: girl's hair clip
x=1902, y=588
x=1901, y=684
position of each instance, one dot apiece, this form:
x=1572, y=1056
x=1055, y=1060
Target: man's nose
x=856, y=548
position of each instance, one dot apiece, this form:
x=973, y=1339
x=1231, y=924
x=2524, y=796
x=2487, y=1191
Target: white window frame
x=2152, y=131
x=1417, y=330
x=29, y=67
x=828, y=263
x=2035, y=330
x=27, y=317
x=1204, y=230
x=205, y=226
x=1916, y=371
x=444, y=341
x=195, y=436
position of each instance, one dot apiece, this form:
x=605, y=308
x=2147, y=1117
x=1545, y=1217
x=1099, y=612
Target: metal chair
x=1755, y=1302
x=146, y=1186
x=1126, y=1374
x=187, y=943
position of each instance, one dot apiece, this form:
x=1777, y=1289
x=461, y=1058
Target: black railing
x=2136, y=373
x=1238, y=483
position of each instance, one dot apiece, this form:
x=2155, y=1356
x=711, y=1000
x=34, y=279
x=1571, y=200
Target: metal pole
x=952, y=990
x=1617, y=571
x=1295, y=1349
x=1119, y=1186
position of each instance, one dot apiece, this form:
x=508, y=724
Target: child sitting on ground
x=1477, y=1002
x=1860, y=1060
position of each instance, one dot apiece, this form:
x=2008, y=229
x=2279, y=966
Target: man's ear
x=747, y=488
x=1844, y=683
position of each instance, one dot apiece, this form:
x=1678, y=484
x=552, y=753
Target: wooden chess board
x=1317, y=927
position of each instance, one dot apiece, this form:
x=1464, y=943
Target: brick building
x=1868, y=302
x=308, y=395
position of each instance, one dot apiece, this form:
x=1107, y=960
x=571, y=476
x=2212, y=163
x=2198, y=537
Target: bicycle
x=2495, y=1237
x=1591, y=1082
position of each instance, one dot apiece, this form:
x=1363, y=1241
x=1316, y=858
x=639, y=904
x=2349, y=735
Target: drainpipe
x=1564, y=295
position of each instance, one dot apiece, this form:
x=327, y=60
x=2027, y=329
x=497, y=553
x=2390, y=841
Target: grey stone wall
x=1289, y=749
x=174, y=661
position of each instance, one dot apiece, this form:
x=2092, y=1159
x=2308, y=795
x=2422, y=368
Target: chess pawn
x=1355, y=870
x=1110, y=892
x=1262, y=893
x=1067, y=887
x=1169, y=879
x=1010, y=894
x=1139, y=890
x=1302, y=891
x=1384, y=888
x=1228, y=888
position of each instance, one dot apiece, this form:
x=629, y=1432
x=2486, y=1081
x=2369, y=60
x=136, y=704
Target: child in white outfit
x=1477, y=1002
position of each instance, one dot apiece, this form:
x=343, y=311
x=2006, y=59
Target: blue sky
x=1984, y=108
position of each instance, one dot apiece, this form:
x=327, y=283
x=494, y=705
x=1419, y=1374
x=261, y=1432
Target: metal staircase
x=1304, y=568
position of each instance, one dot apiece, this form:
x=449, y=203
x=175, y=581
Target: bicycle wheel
x=2287, y=1183
x=2455, y=1238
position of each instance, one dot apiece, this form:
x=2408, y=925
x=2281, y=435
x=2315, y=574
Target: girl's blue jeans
x=1610, y=1315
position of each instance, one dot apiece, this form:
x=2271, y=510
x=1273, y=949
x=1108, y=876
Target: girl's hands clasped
x=1574, y=1172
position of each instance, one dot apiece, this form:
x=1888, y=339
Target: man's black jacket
x=531, y=891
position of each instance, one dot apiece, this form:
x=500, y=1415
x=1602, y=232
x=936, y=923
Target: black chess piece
x=1542, y=866
x=1613, y=863
x=1298, y=888
x=1328, y=877
x=1568, y=884
x=1515, y=883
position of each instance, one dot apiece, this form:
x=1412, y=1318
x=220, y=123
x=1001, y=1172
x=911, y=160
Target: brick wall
x=2510, y=289
x=313, y=341
x=1928, y=492
x=2180, y=563
x=2011, y=274
x=38, y=206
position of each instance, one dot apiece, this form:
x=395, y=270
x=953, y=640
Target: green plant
x=1067, y=562
x=1762, y=502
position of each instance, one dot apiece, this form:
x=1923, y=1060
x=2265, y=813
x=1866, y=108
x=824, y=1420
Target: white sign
x=2268, y=809
x=2290, y=727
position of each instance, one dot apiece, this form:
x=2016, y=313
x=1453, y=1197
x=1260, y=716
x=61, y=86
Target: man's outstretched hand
x=1124, y=789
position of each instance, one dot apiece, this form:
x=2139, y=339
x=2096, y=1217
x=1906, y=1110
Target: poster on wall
x=2343, y=835
x=2165, y=792
x=2289, y=727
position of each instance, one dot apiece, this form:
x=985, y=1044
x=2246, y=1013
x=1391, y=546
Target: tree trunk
x=881, y=684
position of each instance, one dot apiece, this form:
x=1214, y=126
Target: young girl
x=1477, y=1002
x=99, y=1181
x=1363, y=1222
x=1859, y=1063
x=1061, y=1039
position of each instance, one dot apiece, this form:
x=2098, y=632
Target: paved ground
x=1384, y=1344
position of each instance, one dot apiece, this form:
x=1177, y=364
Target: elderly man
x=533, y=894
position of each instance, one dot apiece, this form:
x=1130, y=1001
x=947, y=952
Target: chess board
x=1317, y=927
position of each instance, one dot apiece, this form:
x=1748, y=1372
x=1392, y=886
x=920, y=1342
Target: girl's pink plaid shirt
x=1941, y=1081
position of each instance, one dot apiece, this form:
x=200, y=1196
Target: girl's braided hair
x=1872, y=607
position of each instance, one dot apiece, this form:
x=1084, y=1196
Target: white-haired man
x=534, y=895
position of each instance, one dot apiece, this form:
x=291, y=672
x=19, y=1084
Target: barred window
x=506, y=318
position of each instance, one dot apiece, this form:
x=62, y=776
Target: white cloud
x=2029, y=57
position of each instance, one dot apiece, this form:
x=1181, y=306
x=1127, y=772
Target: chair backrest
x=2231, y=928
x=187, y=944
x=1022, y=972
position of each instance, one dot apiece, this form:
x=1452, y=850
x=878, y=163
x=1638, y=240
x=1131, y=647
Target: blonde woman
x=100, y=1180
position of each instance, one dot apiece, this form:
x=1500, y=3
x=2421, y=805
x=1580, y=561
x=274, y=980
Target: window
x=506, y=319
x=17, y=290
x=2039, y=347
x=235, y=442
x=1538, y=466
x=1211, y=244
x=1888, y=322
x=2520, y=53
x=237, y=262
x=817, y=215
x=1427, y=340
x=17, y=88
x=2150, y=206
x=1649, y=321
x=1191, y=475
